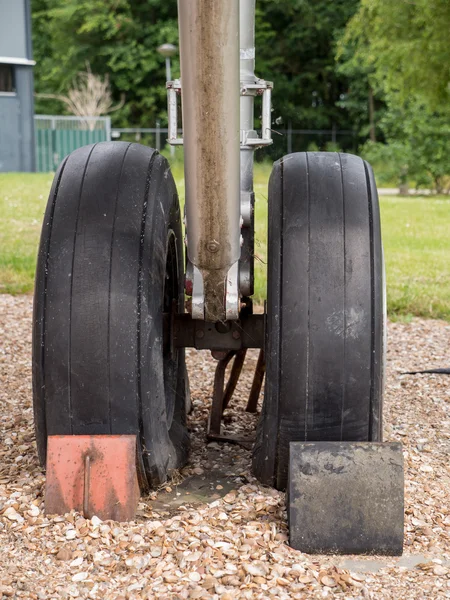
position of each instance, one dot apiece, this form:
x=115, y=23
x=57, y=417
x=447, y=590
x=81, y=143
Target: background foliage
x=295, y=46
x=402, y=49
x=379, y=68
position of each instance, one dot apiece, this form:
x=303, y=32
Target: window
x=6, y=79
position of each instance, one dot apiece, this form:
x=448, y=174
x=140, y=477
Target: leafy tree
x=417, y=148
x=295, y=45
x=364, y=98
x=406, y=43
x=403, y=47
x=118, y=38
x=295, y=48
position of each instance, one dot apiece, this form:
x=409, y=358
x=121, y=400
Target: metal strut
x=218, y=87
x=221, y=397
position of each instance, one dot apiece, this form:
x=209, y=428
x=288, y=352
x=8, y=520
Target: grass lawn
x=415, y=233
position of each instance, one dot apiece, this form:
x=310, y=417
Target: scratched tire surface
x=110, y=261
x=325, y=320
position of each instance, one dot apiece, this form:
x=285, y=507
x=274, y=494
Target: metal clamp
x=232, y=293
x=173, y=90
x=259, y=88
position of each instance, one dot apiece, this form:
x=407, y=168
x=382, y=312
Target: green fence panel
x=44, y=150
x=54, y=144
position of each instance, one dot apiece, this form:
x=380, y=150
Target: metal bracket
x=246, y=332
x=259, y=88
x=198, y=294
x=173, y=90
x=232, y=292
x=232, y=296
x=222, y=398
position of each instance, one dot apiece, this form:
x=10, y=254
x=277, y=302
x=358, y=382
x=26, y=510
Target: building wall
x=13, y=33
x=17, y=108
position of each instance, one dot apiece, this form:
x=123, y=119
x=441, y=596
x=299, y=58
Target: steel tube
x=209, y=54
x=266, y=115
x=168, y=69
x=247, y=40
x=172, y=113
x=247, y=75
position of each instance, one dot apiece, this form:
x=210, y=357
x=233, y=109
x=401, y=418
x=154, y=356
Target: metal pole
x=158, y=135
x=209, y=53
x=169, y=78
x=107, y=122
x=247, y=75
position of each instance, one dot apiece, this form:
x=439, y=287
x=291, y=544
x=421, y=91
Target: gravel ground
x=219, y=534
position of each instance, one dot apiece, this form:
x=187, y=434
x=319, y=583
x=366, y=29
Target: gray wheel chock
x=346, y=497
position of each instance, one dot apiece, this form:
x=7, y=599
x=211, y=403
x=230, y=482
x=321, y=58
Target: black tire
x=110, y=262
x=325, y=309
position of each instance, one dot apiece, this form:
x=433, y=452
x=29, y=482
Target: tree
x=406, y=44
x=117, y=37
x=363, y=99
x=89, y=96
x=295, y=47
x=403, y=47
x=417, y=148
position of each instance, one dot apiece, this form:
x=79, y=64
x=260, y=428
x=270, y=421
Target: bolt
x=200, y=333
x=236, y=335
x=213, y=246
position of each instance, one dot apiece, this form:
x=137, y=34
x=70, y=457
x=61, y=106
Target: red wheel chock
x=92, y=474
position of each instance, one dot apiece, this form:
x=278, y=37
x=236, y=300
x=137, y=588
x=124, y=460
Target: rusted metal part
x=247, y=332
x=221, y=399
x=244, y=441
x=236, y=369
x=92, y=474
x=216, y=412
x=260, y=370
x=209, y=52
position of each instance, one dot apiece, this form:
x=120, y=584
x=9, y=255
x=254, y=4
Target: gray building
x=16, y=87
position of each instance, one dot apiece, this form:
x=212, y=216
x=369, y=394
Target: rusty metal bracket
x=257, y=383
x=222, y=398
x=236, y=370
x=247, y=332
x=92, y=474
x=217, y=408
